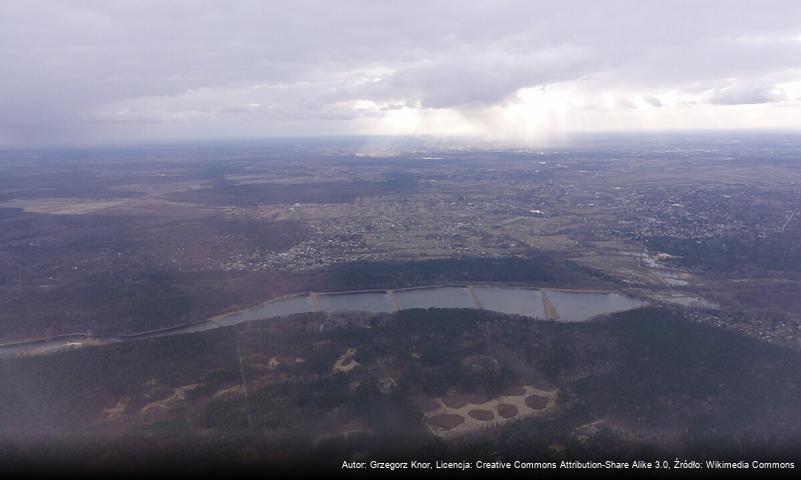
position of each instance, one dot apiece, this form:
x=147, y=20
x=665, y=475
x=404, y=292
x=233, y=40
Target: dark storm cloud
x=79, y=70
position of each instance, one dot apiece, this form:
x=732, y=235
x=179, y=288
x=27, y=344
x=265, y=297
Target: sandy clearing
x=165, y=404
x=504, y=409
x=353, y=427
x=229, y=392
x=346, y=363
x=116, y=411
x=588, y=430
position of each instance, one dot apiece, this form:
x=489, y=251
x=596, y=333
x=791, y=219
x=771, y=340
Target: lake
x=568, y=306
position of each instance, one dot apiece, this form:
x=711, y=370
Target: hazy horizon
x=425, y=141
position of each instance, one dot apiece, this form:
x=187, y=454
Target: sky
x=523, y=72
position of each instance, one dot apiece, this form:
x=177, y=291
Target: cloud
x=483, y=77
x=89, y=71
x=652, y=101
x=746, y=94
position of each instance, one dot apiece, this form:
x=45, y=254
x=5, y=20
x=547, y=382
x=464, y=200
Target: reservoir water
x=376, y=302
x=580, y=306
x=439, y=297
x=275, y=308
x=565, y=306
x=516, y=301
